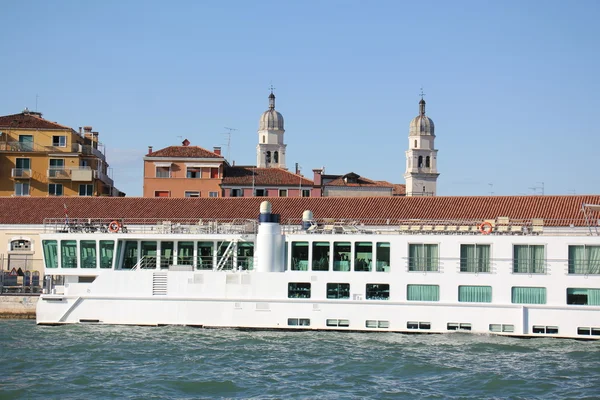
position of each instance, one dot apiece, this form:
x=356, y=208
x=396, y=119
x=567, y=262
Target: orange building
x=183, y=171
x=41, y=158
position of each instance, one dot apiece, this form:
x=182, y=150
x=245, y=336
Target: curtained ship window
x=528, y=295
x=475, y=258
x=529, y=259
x=422, y=292
x=584, y=260
x=423, y=257
x=475, y=294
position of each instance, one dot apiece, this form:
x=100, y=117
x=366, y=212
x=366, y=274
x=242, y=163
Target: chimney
x=297, y=170
x=217, y=150
x=87, y=129
x=80, y=130
x=149, y=149
x=317, y=176
x=185, y=143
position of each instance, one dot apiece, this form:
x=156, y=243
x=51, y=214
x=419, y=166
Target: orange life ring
x=485, y=228
x=114, y=227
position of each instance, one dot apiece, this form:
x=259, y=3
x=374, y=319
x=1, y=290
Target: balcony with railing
x=86, y=150
x=21, y=173
x=107, y=180
x=75, y=174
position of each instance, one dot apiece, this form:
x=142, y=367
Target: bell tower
x=270, y=151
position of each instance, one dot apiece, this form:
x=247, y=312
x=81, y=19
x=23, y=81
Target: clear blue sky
x=512, y=86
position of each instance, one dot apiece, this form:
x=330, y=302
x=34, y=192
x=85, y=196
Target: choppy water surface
x=100, y=362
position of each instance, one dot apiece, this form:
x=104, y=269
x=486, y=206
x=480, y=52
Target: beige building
x=40, y=158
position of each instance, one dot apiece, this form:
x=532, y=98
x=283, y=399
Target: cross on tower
x=271, y=88
x=422, y=94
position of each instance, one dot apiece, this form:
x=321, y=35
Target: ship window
x=528, y=295
x=166, y=254
x=86, y=279
x=423, y=292
x=205, y=255
x=549, y=330
x=148, y=255
x=245, y=255
x=465, y=327
x=412, y=325
x=68, y=253
x=299, y=256
x=508, y=328
x=320, y=256
x=363, y=255
x=299, y=290
x=371, y=323
x=131, y=254
x=584, y=297
x=452, y=326
x=338, y=290
x=50, y=253
x=107, y=248
x=584, y=260
x=584, y=331
x=87, y=251
x=475, y=294
x=383, y=257
x=341, y=256
x=342, y=323
x=423, y=257
x=528, y=259
x=378, y=291
x=475, y=258
x=185, y=252
x=298, y=322
x=383, y=324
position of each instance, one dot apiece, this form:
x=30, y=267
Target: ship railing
x=491, y=226
x=229, y=226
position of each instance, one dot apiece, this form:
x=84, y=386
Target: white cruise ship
x=500, y=276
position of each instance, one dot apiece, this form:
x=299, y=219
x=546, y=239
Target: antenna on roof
x=228, y=144
x=36, y=101
x=536, y=188
x=491, y=185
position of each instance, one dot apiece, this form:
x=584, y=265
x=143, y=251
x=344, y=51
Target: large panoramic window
x=383, y=257
x=583, y=297
x=475, y=258
x=68, y=253
x=528, y=259
x=50, y=253
x=245, y=255
x=299, y=290
x=528, y=295
x=423, y=293
x=205, y=255
x=320, y=256
x=363, y=256
x=185, y=253
x=87, y=251
x=423, y=257
x=299, y=256
x=342, y=254
x=475, y=294
x=584, y=260
x=107, y=249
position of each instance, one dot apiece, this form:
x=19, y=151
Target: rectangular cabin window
x=107, y=249
x=166, y=254
x=87, y=252
x=50, y=253
x=148, y=259
x=528, y=295
x=338, y=290
x=383, y=257
x=193, y=173
x=342, y=254
x=528, y=259
x=299, y=290
x=378, y=291
x=68, y=253
x=299, y=256
x=583, y=297
x=245, y=255
x=320, y=256
x=423, y=257
x=205, y=255
x=363, y=256
x=422, y=292
x=130, y=258
x=185, y=253
x=584, y=260
x=475, y=294
x=475, y=258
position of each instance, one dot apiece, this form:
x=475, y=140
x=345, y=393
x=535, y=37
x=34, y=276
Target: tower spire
x=271, y=99
x=422, y=104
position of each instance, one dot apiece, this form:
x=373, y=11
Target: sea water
x=130, y=362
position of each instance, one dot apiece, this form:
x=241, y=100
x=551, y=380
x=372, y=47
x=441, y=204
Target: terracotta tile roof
x=344, y=180
x=184, y=152
x=398, y=189
x=242, y=176
x=33, y=210
x=28, y=121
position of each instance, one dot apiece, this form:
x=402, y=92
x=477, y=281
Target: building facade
x=41, y=158
x=183, y=171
